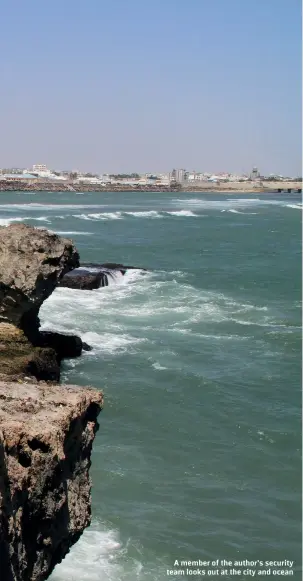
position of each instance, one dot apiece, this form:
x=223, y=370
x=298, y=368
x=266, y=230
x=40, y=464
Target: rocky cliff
x=46, y=435
x=46, y=430
x=32, y=263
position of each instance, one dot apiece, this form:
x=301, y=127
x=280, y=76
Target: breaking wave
x=147, y=214
x=119, y=215
x=111, y=343
x=106, y=216
x=7, y=221
x=182, y=213
x=101, y=555
x=295, y=206
x=34, y=206
x=233, y=211
x=130, y=313
x=230, y=204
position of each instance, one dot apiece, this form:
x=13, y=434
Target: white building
x=105, y=178
x=41, y=170
x=39, y=167
x=194, y=176
x=60, y=178
x=89, y=180
x=163, y=180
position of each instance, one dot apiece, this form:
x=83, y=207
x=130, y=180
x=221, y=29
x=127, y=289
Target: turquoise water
x=198, y=452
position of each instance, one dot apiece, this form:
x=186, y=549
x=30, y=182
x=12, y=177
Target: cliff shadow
x=6, y=567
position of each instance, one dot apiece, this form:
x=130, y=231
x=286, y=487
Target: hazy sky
x=148, y=85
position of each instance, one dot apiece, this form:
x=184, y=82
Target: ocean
x=198, y=455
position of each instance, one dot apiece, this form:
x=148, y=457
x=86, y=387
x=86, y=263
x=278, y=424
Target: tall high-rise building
x=255, y=174
x=178, y=175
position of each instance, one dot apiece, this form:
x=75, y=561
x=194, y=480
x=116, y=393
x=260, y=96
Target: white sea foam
x=295, y=206
x=110, y=342
x=147, y=214
x=99, y=216
x=106, y=216
x=99, y=555
x=7, y=221
x=120, y=215
x=37, y=206
x=226, y=204
x=158, y=367
x=104, y=342
x=238, y=212
x=134, y=275
x=182, y=213
x=131, y=314
x=82, y=216
x=115, y=277
x=38, y=218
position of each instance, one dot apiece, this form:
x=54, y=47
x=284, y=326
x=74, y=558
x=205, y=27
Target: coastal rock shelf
x=15, y=184
x=46, y=436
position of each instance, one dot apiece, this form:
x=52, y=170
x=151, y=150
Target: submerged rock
x=84, y=279
x=66, y=346
x=46, y=436
x=112, y=266
x=32, y=262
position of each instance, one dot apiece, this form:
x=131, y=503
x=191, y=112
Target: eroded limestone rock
x=46, y=436
x=32, y=261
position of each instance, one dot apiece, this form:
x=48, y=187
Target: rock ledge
x=46, y=436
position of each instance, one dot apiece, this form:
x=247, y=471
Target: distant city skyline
x=150, y=86
x=175, y=175
x=179, y=171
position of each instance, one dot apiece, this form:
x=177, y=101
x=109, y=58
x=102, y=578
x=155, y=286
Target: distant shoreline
x=206, y=188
